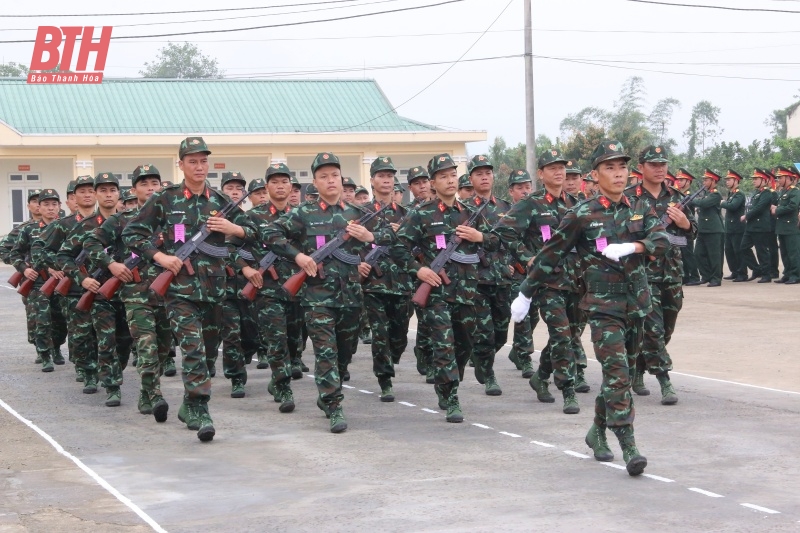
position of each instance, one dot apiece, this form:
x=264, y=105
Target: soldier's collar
x=550, y=198
x=478, y=200
x=188, y=194
x=324, y=205
x=606, y=202
x=443, y=206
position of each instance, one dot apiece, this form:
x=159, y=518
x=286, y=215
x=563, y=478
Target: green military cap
x=519, y=175
x=165, y=184
x=105, y=178
x=123, y=189
x=573, y=168
x=256, y=184
x=348, y=182
x=588, y=177
x=416, y=173
x=653, y=154
x=325, y=158
x=33, y=193
x=361, y=189
x=278, y=169
x=608, y=149
x=381, y=163
x=71, y=187
x=548, y=157
x=49, y=194
x=84, y=180
x=463, y=181
x=193, y=145
x=145, y=171
x=228, y=177
x=129, y=196
x=295, y=182
x=399, y=188
x=311, y=189
x=478, y=161
x=440, y=162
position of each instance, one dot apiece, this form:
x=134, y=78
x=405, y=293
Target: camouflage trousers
x=577, y=332
x=82, y=336
x=423, y=350
x=195, y=326
x=616, y=342
x=58, y=316
x=237, y=331
x=281, y=328
x=331, y=330
x=492, y=315
x=559, y=312
x=659, y=324
x=451, y=328
x=149, y=327
x=40, y=305
x=522, y=345
x=30, y=319
x=388, y=319
x=113, y=341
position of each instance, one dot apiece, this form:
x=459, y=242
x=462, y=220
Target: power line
x=724, y=8
x=282, y=25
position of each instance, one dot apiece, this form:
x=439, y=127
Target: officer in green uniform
x=785, y=213
x=691, y=276
x=193, y=299
x=710, y=232
x=734, y=207
x=758, y=226
x=465, y=188
x=612, y=238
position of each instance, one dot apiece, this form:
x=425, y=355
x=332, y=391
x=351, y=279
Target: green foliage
x=703, y=128
x=13, y=70
x=182, y=61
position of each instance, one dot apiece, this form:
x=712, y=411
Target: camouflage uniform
x=8, y=245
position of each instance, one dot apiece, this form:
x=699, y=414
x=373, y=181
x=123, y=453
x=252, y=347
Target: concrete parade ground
x=725, y=458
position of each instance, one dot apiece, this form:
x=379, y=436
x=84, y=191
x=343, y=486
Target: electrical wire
x=724, y=8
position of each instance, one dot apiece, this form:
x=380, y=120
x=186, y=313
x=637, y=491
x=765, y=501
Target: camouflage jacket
x=308, y=227
x=786, y=211
x=497, y=271
x=668, y=268
x=20, y=256
x=181, y=214
x=394, y=279
x=264, y=215
x=614, y=288
x=105, y=246
x=428, y=228
x=709, y=217
x=758, y=214
x=9, y=240
x=529, y=224
x=734, y=210
x=46, y=246
x=72, y=247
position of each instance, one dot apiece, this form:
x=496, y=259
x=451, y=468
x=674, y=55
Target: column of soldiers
x=581, y=250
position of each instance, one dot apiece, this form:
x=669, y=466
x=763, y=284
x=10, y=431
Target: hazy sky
x=479, y=95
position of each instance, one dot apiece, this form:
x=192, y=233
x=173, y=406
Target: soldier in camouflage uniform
x=82, y=338
x=312, y=194
x=734, y=207
x=589, y=185
x=72, y=203
x=572, y=180
x=450, y=312
x=664, y=273
x=611, y=236
x=108, y=316
x=465, y=188
x=387, y=289
x=279, y=314
x=494, y=281
x=332, y=293
x=145, y=310
x=525, y=229
x=193, y=299
x=785, y=214
x=520, y=185
x=297, y=193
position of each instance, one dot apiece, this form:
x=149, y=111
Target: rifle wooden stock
x=519, y=268
x=85, y=303
x=135, y=273
x=162, y=282
x=15, y=279
x=25, y=287
x=294, y=283
x=49, y=286
x=110, y=287
x=249, y=291
x=424, y=291
x=64, y=285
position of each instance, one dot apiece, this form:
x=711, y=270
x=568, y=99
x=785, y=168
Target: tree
x=13, y=70
x=660, y=118
x=703, y=128
x=629, y=122
x=182, y=61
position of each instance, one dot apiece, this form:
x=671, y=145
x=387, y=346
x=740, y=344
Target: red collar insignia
x=478, y=200
x=394, y=206
x=549, y=197
x=186, y=192
x=78, y=217
x=99, y=219
x=638, y=190
x=272, y=209
x=442, y=207
x=377, y=206
x=323, y=205
x=341, y=204
x=604, y=201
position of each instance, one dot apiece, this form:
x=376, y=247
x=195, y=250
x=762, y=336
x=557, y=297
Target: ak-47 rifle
x=15, y=278
x=680, y=240
x=375, y=255
x=112, y=285
x=164, y=280
x=293, y=284
x=26, y=286
x=267, y=264
x=85, y=302
x=65, y=284
x=437, y=265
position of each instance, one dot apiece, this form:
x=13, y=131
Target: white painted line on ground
x=8, y=287
x=430, y=411
x=659, y=478
x=543, y=444
x=706, y=492
x=576, y=454
x=481, y=426
x=407, y=404
x=507, y=434
x=365, y=391
x=759, y=508
x=348, y=386
x=100, y=481
x=613, y=465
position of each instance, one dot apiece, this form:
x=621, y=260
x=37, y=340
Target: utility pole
x=530, y=134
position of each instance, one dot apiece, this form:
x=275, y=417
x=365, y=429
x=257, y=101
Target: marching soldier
x=710, y=233
x=193, y=298
x=258, y=195
x=785, y=213
x=612, y=237
x=758, y=228
x=734, y=207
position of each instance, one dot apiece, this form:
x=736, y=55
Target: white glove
x=520, y=307
x=615, y=251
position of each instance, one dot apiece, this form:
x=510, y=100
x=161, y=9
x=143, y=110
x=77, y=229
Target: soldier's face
x=683, y=183
x=572, y=183
x=362, y=198
x=730, y=184
x=553, y=175
x=279, y=187
x=85, y=197
x=107, y=195
x=328, y=181
x=33, y=207
x=349, y=193
x=466, y=193
x=195, y=168
x=709, y=183
x=259, y=197
x=653, y=173
x=420, y=188
x=783, y=183
x=295, y=196
x=482, y=179
x=518, y=191
x=445, y=183
x=234, y=190
x=612, y=177
x=145, y=188
x=72, y=203
x=398, y=197
x=49, y=210
x=383, y=183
